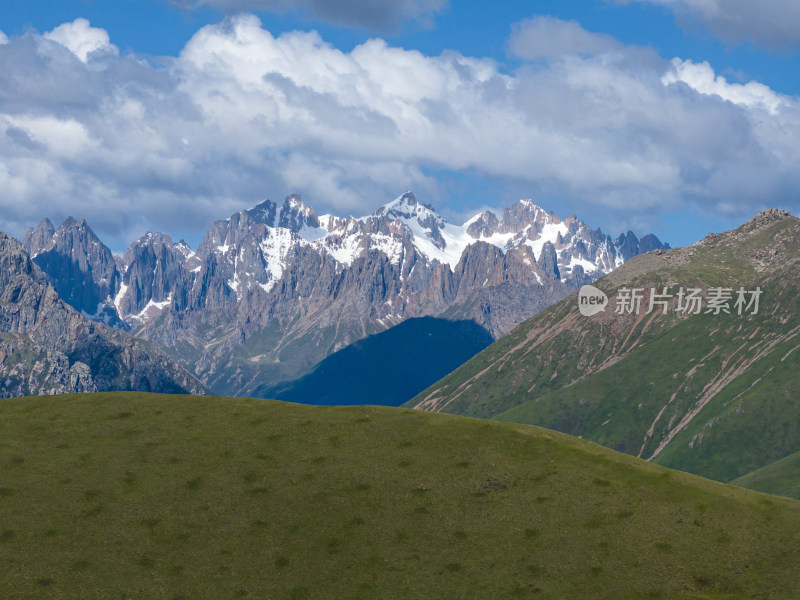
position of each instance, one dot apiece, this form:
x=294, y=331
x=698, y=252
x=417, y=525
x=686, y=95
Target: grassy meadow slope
x=147, y=496
x=716, y=395
x=781, y=477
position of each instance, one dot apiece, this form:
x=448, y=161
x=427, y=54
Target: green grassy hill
x=151, y=496
x=712, y=394
x=781, y=477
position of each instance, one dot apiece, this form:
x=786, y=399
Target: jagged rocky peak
x=162, y=242
x=483, y=225
x=76, y=233
x=264, y=212
x=155, y=252
x=408, y=208
x=155, y=276
x=574, y=224
x=548, y=261
x=524, y=217
x=37, y=238
x=80, y=267
x=222, y=234
x=421, y=218
x=650, y=242
x=15, y=261
x=77, y=239
x=628, y=245
x=296, y=215
x=251, y=225
x=154, y=270
x=524, y=213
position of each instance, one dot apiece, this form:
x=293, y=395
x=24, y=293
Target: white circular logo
x=591, y=300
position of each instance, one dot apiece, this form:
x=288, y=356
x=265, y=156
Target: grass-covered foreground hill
x=151, y=496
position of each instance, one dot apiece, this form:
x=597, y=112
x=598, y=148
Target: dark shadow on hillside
x=388, y=368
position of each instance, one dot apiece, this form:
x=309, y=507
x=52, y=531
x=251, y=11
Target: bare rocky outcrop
x=153, y=267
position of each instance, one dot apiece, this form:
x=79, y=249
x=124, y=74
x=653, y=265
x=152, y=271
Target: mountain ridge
x=273, y=290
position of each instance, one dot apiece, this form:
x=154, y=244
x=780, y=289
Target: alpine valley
x=272, y=291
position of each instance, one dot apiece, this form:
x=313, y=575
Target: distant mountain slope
x=387, y=368
x=47, y=347
x=781, y=477
x=273, y=290
x=713, y=394
x=148, y=496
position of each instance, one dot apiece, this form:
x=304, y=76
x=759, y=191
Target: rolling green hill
x=781, y=477
x=387, y=368
x=148, y=496
x=712, y=394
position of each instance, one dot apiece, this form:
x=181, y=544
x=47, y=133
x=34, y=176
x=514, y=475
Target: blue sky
x=673, y=116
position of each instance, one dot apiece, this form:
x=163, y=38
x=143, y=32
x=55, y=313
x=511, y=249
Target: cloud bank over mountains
x=173, y=143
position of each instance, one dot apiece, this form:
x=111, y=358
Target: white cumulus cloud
x=82, y=39
x=3, y=38
x=701, y=77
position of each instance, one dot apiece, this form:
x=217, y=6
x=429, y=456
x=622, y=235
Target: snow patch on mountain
x=312, y=234
x=150, y=310
x=390, y=245
x=123, y=289
x=275, y=248
x=343, y=248
x=185, y=250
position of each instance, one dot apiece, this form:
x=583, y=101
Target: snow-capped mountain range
x=271, y=284
x=273, y=233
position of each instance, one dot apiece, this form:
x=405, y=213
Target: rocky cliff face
x=47, y=347
x=154, y=267
x=79, y=266
x=274, y=289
